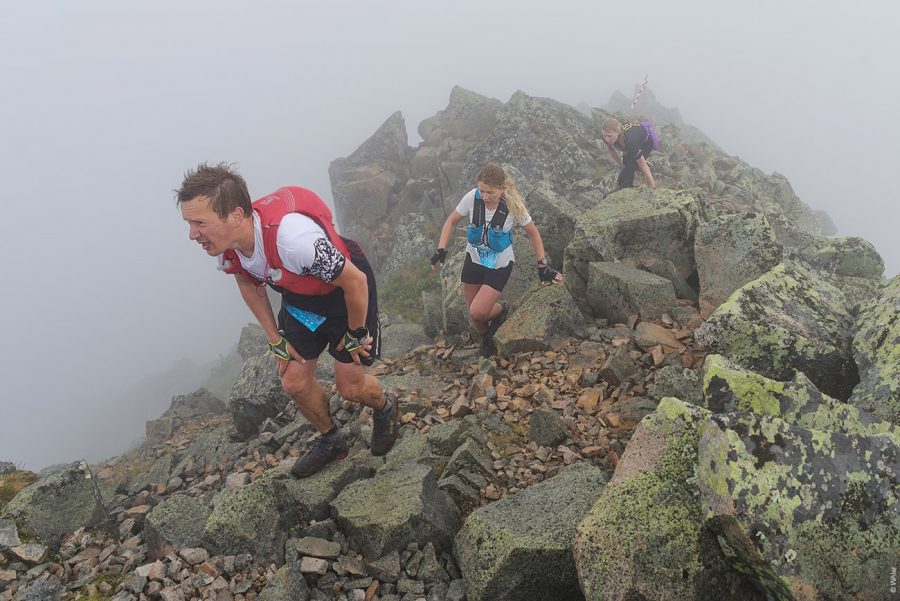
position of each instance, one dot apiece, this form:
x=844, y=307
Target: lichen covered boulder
x=787, y=320
x=819, y=508
x=395, y=508
x=519, y=547
x=174, y=524
x=729, y=388
x=616, y=291
x=59, y=504
x=876, y=349
x=731, y=251
x=645, y=538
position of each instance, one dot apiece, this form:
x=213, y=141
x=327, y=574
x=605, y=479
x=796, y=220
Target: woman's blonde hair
x=613, y=126
x=494, y=175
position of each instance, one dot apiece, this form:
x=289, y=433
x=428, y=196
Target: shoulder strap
x=478, y=210
x=499, y=218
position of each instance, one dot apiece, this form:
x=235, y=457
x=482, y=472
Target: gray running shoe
x=385, y=426
x=325, y=450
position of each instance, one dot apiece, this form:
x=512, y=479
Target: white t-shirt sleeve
x=525, y=220
x=467, y=204
x=305, y=249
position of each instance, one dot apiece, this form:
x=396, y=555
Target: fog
x=104, y=105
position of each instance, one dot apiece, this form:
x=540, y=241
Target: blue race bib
x=487, y=257
x=311, y=320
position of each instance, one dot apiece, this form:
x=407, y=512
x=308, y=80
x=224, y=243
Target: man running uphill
x=287, y=240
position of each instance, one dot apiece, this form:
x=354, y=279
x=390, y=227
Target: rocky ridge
x=708, y=406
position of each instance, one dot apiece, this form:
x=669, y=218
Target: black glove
x=439, y=256
x=545, y=272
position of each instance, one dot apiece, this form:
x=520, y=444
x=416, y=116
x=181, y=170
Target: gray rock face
x=876, y=349
x=731, y=251
x=546, y=313
x=400, y=338
x=616, y=291
x=546, y=140
x=59, y=504
x=287, y=585
x=815, y=507
x=396, y=508
x=257, y=394
x=645, y=535
x=520, y=547
x=787, y=320
x=367, y=186
x=648, y=230
x=174, y=524
x=183, y=407
x=9, y=536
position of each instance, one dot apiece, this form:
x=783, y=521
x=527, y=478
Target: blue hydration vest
x=490, y=235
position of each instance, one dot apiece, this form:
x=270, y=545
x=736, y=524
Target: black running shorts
x=473, y=273
x=310, y=345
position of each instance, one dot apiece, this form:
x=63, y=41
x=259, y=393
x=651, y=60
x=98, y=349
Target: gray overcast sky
x=105, y=104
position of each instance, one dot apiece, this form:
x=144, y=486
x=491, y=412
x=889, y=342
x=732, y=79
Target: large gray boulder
x=788, y=319
x=184, y=407
x=366, y=187
x=546, y=315
x=256, y=395
x=731, y=251
x=176, y=523
x=520, y=547
x=616, y=291
x=395, y=508
x=652, y=230
x=398, y=339
x=255, y=518
x=59, y=504
x=876, y=349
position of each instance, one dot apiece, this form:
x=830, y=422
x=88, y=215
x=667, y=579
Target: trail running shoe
x=494, y=324
x=385, y=426
x=488, y=346
x=325, y=450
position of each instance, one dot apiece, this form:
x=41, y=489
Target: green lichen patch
x=876, y=349
x=800, y=494
x=646, y=532
x=729, y=388
x=787, y=320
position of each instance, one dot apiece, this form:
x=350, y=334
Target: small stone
x=237, y=480
x=313, y=565
x=30, y=553
x=318, y=547
x=194, y=556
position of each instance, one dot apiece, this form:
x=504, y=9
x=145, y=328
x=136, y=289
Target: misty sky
x=104, y=105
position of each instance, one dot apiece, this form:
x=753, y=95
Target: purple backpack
x=651, y=133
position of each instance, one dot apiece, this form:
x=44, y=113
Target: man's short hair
x=221, y=183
